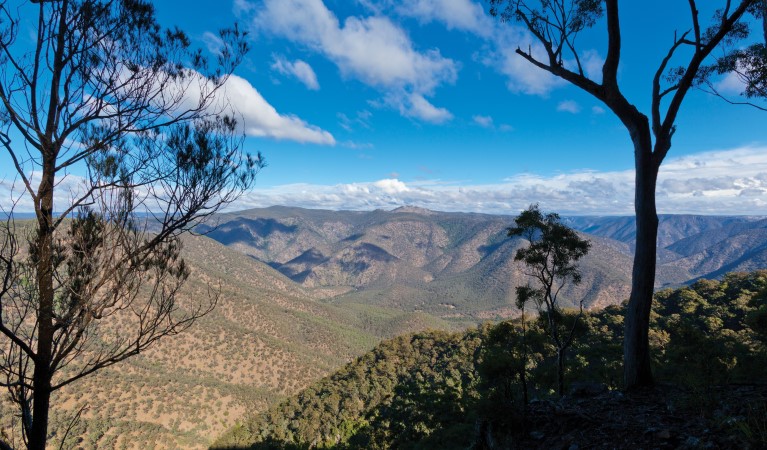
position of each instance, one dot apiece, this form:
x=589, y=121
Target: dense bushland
x=456, y=390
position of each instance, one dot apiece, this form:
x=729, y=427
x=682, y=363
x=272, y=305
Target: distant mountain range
x=460, y=265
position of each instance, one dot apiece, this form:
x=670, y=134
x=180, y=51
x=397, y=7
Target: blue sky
x=362, y=104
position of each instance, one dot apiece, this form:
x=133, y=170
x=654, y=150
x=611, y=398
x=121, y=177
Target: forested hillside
x=458, y=390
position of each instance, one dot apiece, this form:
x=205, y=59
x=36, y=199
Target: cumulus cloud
x=418, y=107
x=298, y=69
x=371, y=49
x=255, y=116
x=522, y=77
x=722, y=182
x=502, y=40
x=730, y=84
x=261, y=119
x=464, y=15
x=500, y=53
x=483, y=121
x=570, y=106
x=391, y=186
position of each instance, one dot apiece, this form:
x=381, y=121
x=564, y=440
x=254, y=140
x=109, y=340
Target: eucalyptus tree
x=551, y=259
x=688, y=62
x=114, y=127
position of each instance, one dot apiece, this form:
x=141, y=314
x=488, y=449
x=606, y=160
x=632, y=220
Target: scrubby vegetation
x=457, y=390
x=267, y=339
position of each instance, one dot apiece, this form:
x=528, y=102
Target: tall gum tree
x=555, y=24
x=97, y=92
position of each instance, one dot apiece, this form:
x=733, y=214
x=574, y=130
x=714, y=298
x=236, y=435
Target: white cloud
x=465, y=15
x=357, y=145
x=570, y=106
x=391, y=186
x=240, y=7
x=261, y=119
x=722, y=182
x=371, y=49
x=592, y=64
x=213, y=42
x=418, y=107
x=13, y=195
x=522, y=76
x=502, y=38
x=298, y=69
x=598, y=110
x=730, y=84
x=237, y=97
x=483, y=121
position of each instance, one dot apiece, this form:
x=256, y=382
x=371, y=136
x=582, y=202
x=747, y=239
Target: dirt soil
x=664, y=417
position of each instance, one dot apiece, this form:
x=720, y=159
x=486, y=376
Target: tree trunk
x=523, y=372
x=38, y=435
x=561, y=371
x=41, y=380
x=636, y=351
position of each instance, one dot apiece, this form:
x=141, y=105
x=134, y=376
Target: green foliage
x=551, y=259
x=711, y=332
x=442, y=390
x=503, y=366
x=554, y=247
x=406, y=390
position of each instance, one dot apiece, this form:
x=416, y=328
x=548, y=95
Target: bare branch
x=711, y=89
x=690, y=73
x=610, y=67
x=656, y=93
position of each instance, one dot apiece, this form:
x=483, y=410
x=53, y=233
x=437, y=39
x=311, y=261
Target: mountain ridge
x=465, y=260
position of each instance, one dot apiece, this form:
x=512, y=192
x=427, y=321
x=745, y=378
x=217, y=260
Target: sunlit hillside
x=266, y=338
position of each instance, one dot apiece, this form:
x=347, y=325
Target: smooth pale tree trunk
x=636, y=352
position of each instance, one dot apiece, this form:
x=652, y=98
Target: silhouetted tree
x=104, y=91
x=555, y=25
x=551, y=259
